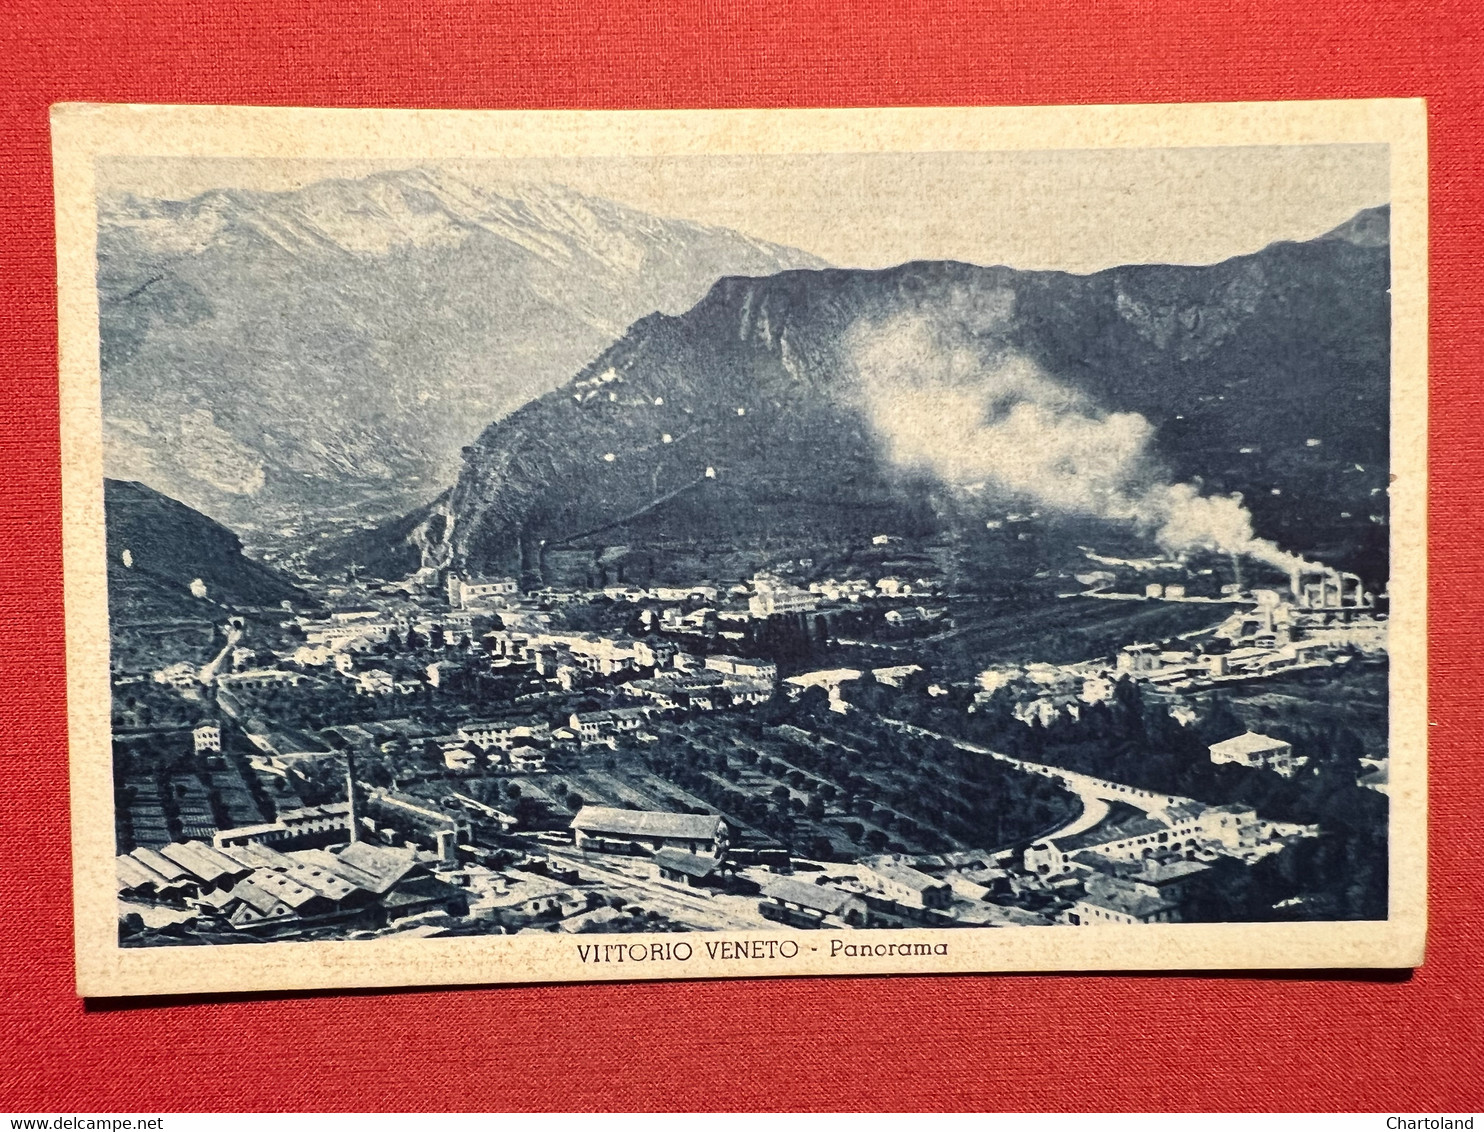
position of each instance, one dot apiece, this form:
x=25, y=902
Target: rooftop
x=163, y=865
x=381, y=867
x=1147, y=871
x=1122, y=820
x=691, y=864
x=322, y=881
x=255, y=856
x=905, y=874
x=1250, y=743
x=1129, y=905
x=419, y=889
x=646, y=823
x=133, y=873
x=205, y=862
x=264, y=890
x=821, y=898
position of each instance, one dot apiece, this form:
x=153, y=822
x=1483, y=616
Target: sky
x=1071, y=210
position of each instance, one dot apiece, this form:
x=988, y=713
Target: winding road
x=1096, y=794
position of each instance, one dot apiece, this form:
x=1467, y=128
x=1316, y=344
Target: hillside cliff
x=158, y=546
x=827, y=402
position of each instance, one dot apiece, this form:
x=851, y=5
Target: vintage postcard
x=543, y=546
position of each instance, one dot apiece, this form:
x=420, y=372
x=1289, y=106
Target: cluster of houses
x=766, y=594
x=343, y=643
x=1142, y=866
x=953, y=890
x=654, y=670
x=1046, y=692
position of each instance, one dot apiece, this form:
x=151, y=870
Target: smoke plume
x=953, y=400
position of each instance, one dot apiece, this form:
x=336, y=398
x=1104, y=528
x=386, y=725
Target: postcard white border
x=83, y=133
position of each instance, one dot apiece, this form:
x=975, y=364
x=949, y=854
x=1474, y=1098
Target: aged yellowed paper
x=535, y=546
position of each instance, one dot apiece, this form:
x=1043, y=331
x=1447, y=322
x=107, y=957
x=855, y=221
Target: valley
x=940, y=595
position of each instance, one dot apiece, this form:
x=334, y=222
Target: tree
x=528, y=812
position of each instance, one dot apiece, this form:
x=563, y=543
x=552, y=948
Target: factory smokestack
x=350, y=796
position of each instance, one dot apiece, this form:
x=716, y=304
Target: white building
x=312, y=656
x=905, y=885
x=592, y=725
x=261, y=678
x=1135, y=659
x=495, y=592
x=502, y=734
x=178, y=675
x=459, y=758
x=751, y=667
x=896, y=676
x=528, y=760
x=207, y=737
x=705, y=591
x=1096, y=689
x=375, y=682
x=337, y=635
x=831, y=680
x=1181, y=828
x=602, y=655
x=606, y=829
x=656, y=653
x=1254, y=750
x=993, y=679
x=772, y=595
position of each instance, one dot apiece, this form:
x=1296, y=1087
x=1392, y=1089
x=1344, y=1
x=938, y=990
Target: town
x=448, y=755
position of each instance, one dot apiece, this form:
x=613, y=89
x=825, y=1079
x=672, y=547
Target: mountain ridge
x=1265, y=374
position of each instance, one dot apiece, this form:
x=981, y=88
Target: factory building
x=1320, y=587
x=802, y=905
x=604, y=829
x=310, y=825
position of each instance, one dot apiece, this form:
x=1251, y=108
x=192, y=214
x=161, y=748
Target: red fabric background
x=969, y=1042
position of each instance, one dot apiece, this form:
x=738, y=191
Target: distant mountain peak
x=1368, y=228
x=345, y=339
x=419, y=207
